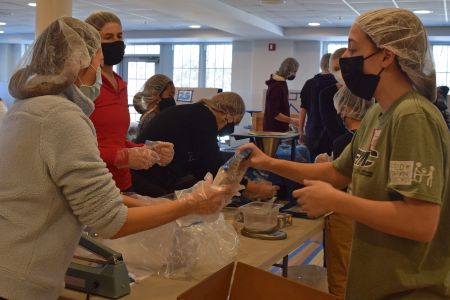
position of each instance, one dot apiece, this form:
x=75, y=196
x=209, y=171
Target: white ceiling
x=226, y=19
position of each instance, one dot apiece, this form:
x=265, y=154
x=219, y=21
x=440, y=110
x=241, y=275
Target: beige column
x=49, y=10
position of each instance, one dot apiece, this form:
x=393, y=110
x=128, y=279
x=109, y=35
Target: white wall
x=253, y=63
x=308, y=54
x=252, y=66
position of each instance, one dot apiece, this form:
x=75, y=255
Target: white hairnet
x=400, y=31
x=150, y=91
x=288, y=66
x=65, y=47
x=352, y=106
x=226, y=102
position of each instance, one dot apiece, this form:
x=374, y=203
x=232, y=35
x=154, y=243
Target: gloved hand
x=206, y=198
x=136, y=158
x=163, y=149
x=323, y=157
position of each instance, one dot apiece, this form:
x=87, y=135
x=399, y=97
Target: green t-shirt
x=403, y=152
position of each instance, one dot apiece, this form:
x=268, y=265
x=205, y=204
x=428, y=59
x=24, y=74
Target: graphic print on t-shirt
x=422, y=173
x=375, y=135
x=407, y=172
x=401, y=172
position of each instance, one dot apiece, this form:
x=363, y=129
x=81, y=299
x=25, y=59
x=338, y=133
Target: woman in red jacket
x=111, y=117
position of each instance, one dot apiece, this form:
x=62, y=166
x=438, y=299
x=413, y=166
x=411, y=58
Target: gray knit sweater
x=52, y=182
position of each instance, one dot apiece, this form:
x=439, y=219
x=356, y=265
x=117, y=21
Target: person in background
x=156, y=95
x=338, y=227
x=351, y=109
x=193, y=130
x=441, y=103
x=309, y=107
x=398, y=163
x=53, y=181
x=333, y=126
x=3, y=110
x=111, y=117
x=276, y=111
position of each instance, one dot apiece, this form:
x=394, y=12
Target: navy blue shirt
x=310, y=102
x=332, y=125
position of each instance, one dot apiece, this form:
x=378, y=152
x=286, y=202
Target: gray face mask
x=92, y=91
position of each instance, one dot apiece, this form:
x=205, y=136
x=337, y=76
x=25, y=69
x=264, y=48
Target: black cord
x=93, y=287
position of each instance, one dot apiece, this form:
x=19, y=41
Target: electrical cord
x=93, y=287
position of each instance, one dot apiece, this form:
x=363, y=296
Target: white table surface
x=259, y=253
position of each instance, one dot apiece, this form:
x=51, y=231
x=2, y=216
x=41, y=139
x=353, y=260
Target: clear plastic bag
x=229, y=174
x=175, y=251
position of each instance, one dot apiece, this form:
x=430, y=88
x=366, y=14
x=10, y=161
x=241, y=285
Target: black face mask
x=360, y=84
x=113, y=52
x=291, y=77
x=166, y=103
x=226, y=130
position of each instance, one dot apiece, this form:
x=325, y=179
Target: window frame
x=202, y=61
x=438, y=43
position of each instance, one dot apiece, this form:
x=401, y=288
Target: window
x=137, y=72
x=218, y=66
x=441, y=57
x=330, y=47
x=142, y=49
x=186, y=65
x=203, y=65
x=139, y=64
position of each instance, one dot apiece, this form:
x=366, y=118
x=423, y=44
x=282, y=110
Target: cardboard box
x=245, y=282
x=257, y=121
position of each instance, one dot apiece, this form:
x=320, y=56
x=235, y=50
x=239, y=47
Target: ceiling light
x=195, y=26
x=1, y=31
x=314, y=24
x=33, y=4
x=422, y=12
x=2, y=23
x=273, y=1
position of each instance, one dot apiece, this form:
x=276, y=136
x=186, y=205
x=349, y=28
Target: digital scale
x=271, y=235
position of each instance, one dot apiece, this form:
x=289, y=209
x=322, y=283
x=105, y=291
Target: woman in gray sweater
x=52, y=179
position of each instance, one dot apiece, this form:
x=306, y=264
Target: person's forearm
x=134, y=202
x=416, y=220
x=302, y=117
x=283, y=118
x=147, y=217
x=300, y=171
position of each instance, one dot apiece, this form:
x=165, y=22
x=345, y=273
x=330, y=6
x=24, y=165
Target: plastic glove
x=323, y=157
x=163, y=149
x=141, y=158
x=206, y=198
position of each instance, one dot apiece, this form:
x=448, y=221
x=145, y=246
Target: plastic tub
x=260, y=216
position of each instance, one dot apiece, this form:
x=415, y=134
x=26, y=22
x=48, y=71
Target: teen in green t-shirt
x=398, y=163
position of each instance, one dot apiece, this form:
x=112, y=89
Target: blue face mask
x=92, y=91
